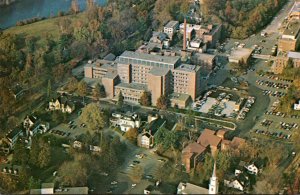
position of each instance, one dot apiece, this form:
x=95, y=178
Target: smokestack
x=184, y=35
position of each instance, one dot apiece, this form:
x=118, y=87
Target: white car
x=113, y=182
x=133, y=185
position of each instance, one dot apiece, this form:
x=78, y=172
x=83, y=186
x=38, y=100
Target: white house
x=170, y=28
x=252, y=169
x=236, y=184
x=77, y=144
x=297, y=106
x=126, y=121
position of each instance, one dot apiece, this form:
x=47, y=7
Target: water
x=25, y=9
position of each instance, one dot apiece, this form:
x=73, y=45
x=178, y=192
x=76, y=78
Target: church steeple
x=213, y=184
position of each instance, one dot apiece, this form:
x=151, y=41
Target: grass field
x=45, y=27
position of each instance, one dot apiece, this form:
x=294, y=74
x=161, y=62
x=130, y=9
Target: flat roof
x=240, y=53
x=205, y=56
x=149, y=57
x=296, y=7
x=295, y=55
x=136, y=86
x=188, y=67
x=47, y=185
x=292, y=28
x=171, y=24
x=179, y=96
x=159, y=71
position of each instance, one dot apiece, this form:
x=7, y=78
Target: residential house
x=126, y=121
x=49, y=188
x=252, y=168
x=208, y=139
x=77, y=144
x=32, y=125
x=13, y=135
x=62, y=104
x=146, y=138
x=17, y=91
x=95, y=148
x=192, y=154
x=240, y=182
x=240, y=168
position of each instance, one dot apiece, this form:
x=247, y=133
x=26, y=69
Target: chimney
x=184, y=35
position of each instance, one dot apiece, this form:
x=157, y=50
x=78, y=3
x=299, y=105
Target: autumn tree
x=93, y=117
x=145, y=99
x=82, y=88
x=132, y=134
x=163, y=102
x=99, y=91
x=71, y=177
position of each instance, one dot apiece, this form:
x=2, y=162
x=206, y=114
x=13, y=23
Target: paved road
x=277, y=20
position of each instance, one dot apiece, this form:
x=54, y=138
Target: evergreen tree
x=120, y=102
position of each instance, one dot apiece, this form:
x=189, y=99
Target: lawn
x=44, y=27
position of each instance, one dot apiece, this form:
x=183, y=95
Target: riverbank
x=6, y=2
x=45, y=27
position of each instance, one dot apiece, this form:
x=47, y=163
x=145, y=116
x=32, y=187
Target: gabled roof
x=194, y=148
x=208, y=138
x=14, y=132
x=154, y=125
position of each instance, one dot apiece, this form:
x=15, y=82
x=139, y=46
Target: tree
x=21, y=154
x=132, y=134
x=160, y=135
x=49, y=89
x=99, y=91
x=146, y=99
x=163, y=102
x=34, y=183
x=120, y=102
x=44, y=157
x=136, y=174
x=82, y=88
x=71, y=177
x=74, y=6
x=93, y=117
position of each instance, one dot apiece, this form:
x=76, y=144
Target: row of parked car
x=275, y=113
x=242, y=114
x=288, y=126
x=278, y=135
x=59, y=132
x=273, y=93
x=272, y=84
x=273, y=77
x=266, y=123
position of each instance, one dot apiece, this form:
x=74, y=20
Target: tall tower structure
x=213, y=184
x=184, y=35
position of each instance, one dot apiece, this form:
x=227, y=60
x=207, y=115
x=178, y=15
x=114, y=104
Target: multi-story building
x=283, y=59
x=99, y=69
x=126, y=121
x=289, y=40
x=170, y=28
x=138, y=72
x=295, y=11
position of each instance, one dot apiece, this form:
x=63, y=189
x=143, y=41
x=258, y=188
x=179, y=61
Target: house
x=17, y=91
x=95, y=148
x=13, y=135
x=297, y=106
x=77, y=144
x=49, y=188
x=192, y=154
x=146, y=138
x=125, y=121
x=62, y=104
x=240, y=168
x=252, y=168
x=33, y=125
x=209, y=139
x=240, y=182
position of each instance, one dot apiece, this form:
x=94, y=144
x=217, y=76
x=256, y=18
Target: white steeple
x=213, y=184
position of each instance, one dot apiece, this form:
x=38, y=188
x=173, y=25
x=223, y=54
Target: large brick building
x=283, y=59
x=289, y=40
x=132, y=73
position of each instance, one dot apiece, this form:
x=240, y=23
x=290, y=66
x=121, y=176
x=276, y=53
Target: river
x=25, y=9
